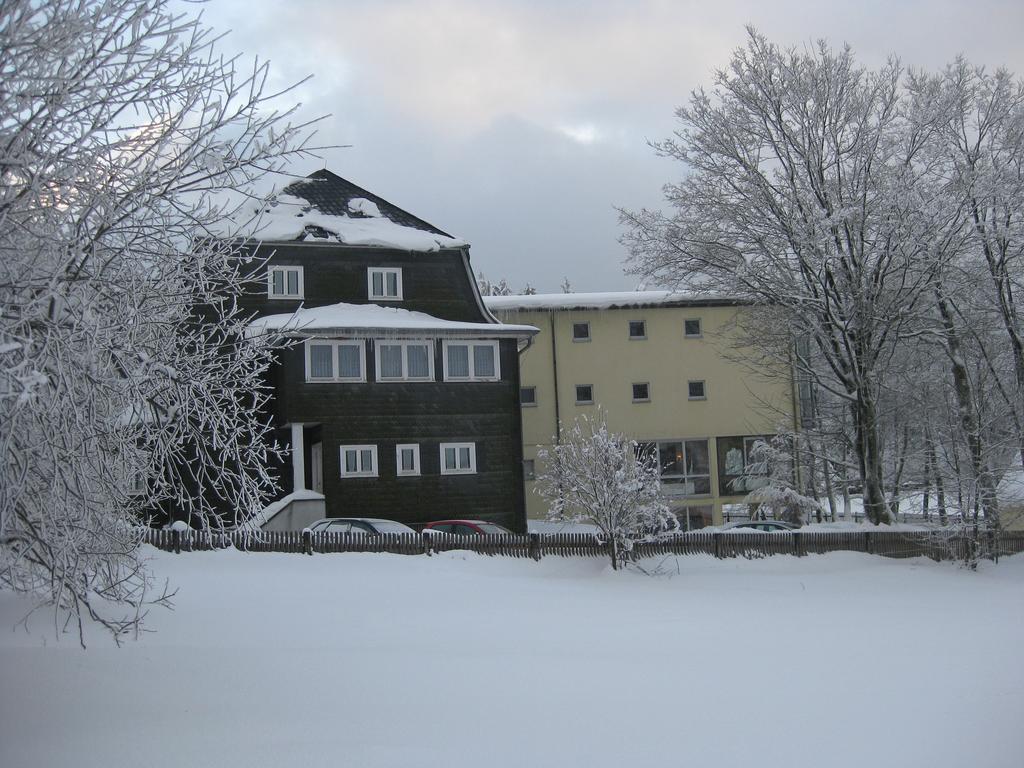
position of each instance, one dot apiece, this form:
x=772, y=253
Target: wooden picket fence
x=937, y=545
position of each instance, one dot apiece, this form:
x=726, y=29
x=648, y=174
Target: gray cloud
x=520, y=125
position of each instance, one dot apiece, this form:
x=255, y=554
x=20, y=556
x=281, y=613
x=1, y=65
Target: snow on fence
x=938, y=545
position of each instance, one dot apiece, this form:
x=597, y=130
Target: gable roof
x=325, y=208
x=331, y=194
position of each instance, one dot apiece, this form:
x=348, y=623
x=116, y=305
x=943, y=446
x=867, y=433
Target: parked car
x=760, y=525
x=466, y=528
x=366, y=525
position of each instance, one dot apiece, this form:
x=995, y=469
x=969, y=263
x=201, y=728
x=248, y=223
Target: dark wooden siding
x=427, y=413
x=432, y=282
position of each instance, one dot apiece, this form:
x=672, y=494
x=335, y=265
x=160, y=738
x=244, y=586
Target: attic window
x=313, y=232
x=284, y=283
x=384, y=284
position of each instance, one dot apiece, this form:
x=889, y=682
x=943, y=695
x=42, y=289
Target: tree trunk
x=869, y=457
x=812, y=476
x=984, y=480
x=897, y=480
x=846, y=480
x=927, y=483
x=830, y=491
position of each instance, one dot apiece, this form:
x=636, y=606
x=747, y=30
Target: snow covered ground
x=463, y=660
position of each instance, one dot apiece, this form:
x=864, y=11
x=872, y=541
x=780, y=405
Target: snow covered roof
x=324, y=207
x=365, y=319
x=610, y=300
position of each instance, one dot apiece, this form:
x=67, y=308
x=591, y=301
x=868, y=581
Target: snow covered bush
x=777, y=499
x=597, y=476
x=124, y=380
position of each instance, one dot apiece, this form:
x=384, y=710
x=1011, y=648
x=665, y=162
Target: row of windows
x=344, y=360
x=641, y=392
x=361, y=460
x=685, y=465
x=638, y=329
x=288, y=282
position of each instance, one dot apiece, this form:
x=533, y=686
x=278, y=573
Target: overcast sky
x=521, y=124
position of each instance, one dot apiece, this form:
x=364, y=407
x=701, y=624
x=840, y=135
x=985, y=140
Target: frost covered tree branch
x=127, y=382
x=596, y=476
x=870, y=218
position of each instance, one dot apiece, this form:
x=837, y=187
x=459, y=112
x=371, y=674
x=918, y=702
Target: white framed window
x=691, y=328
x=458, y=458
x=637, y=329
x=581, y=331
x=584, y=394
x=695, y=390
x=642, y=392
x=407, y=459
x=332, y=360
x=405, y=360
x=384, y=283
x=528, y=397
x=359, y=461
x=471, y=361
x=285, y=283
x=137, y=484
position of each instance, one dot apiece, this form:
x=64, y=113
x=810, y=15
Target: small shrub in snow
x=596, y=476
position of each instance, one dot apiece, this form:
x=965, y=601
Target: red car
x=466, y=527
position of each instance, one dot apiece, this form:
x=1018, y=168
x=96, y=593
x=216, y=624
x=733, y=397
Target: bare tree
x=126, y=381
x=803, y=197
x=600, y=477
x=487, y=288
x=980, y=149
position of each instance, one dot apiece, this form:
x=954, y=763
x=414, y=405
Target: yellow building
x=657, y=364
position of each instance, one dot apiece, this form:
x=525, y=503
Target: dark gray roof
x=330, y=194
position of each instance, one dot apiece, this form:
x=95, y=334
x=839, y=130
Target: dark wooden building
x=400, y=398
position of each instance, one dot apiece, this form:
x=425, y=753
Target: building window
x=642, y=392
x=637, y=329
x=693, y=518
x=685, y=466
x=458, y=458
x=584, y=394
x=284, y=283
x=137, y=484
x=738, y=473
x=405, y=360
x=334, y=360
x=471, y=361
x=384, y=284
x=695, y=390
x=691, y=328
x=359, y=461
x=407, y=459
x=529, y=469
x=581, y=331
x=527, y=396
